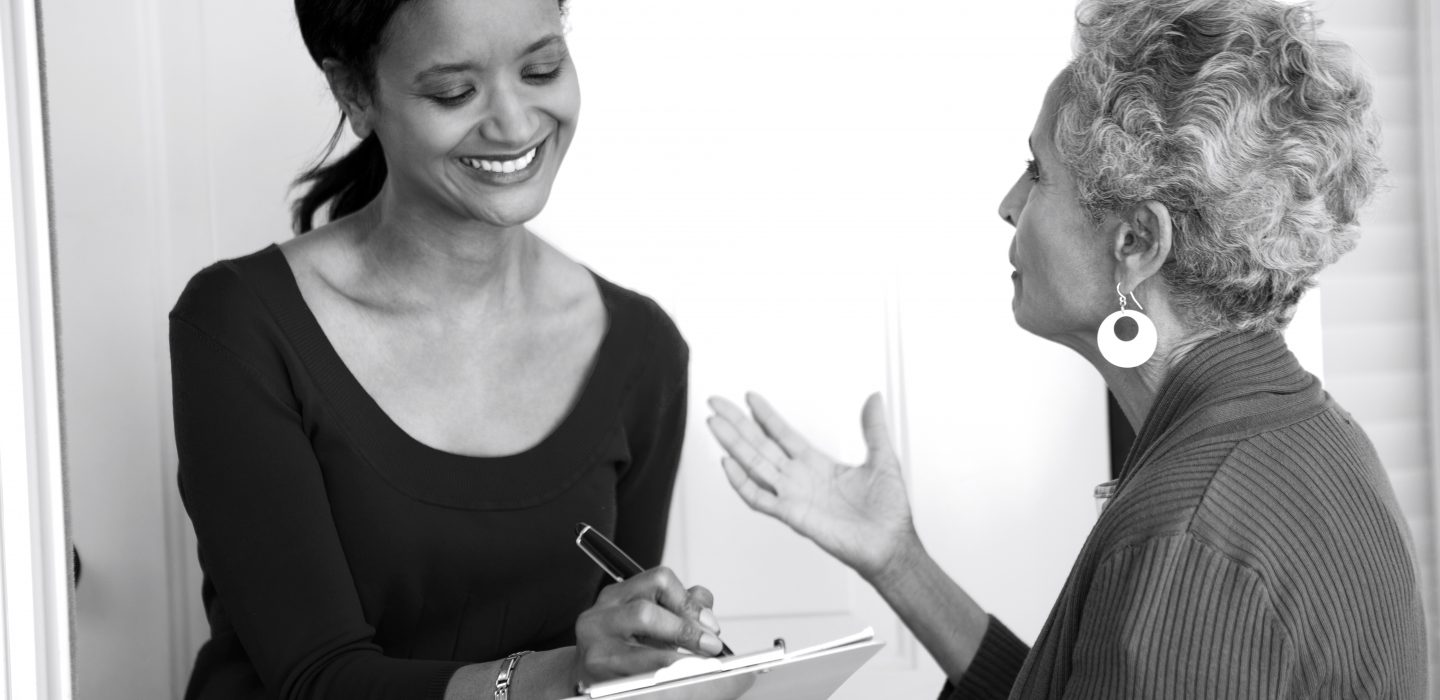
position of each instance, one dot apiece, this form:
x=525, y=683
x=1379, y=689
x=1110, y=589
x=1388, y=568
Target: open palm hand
x=859, y=514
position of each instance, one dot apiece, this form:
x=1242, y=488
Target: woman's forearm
x=946, y=620
x=543, y=674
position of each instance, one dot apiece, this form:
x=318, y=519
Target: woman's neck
x=1136, y=389
x=415, y=258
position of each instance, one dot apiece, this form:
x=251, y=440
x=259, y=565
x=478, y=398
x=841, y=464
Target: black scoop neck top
x=344, y=557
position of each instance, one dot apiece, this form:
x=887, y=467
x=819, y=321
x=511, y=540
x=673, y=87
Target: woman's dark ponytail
x=348, y=31
x=346, y=184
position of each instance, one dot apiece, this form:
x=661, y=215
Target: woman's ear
x=1142, y=243
x=350, y=94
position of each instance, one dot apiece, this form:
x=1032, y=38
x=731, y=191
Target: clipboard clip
x=779, y=644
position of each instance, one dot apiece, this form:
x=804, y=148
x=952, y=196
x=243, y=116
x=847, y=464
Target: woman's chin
x=1023, y=318
x=507, y=206
x=1042, y=327
x=507, y=214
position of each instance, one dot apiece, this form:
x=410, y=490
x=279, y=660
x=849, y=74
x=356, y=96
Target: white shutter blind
x=1375, y=313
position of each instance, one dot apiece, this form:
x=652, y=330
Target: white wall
x=886, y=139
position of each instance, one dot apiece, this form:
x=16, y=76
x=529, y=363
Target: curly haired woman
x=1195, y=165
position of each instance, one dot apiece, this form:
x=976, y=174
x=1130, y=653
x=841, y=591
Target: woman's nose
x=509, y=118
x=1014, y=200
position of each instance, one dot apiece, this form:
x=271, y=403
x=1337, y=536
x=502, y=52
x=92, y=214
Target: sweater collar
x=1229, y=385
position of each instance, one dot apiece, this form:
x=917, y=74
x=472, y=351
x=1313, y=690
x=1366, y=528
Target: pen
x=613, y=560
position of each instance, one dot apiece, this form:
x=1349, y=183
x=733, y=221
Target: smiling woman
x=429, y=102
x=388, y=427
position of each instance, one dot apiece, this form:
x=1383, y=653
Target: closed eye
x=452, y=99
x=543, y=77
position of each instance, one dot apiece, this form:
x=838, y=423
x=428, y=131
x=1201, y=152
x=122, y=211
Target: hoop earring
x=1127, y=353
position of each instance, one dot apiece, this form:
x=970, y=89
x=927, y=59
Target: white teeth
x=502, y=166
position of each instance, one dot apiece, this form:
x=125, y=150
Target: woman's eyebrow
x=542, y=42
x=443, y=69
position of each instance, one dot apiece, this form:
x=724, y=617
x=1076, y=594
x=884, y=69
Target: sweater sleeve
x=992, y=672
x=254, y=491
x=1174, y=618
x=656, y=434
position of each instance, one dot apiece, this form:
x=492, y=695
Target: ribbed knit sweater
x=1253, y=549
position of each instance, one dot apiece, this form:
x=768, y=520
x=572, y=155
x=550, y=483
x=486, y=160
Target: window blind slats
x=1383, y=347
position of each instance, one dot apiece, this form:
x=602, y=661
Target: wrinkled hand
x=859, y=514
x=635, y=626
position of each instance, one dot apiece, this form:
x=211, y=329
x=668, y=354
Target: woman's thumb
x=872, y=423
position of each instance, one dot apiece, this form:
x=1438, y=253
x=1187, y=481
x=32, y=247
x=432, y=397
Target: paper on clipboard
x=811, y=673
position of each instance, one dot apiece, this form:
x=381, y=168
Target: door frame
x=35, y=593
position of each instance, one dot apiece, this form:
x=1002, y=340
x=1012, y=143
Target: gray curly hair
x=1257, y=135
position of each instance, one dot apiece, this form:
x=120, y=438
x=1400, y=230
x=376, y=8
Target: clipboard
x=811, y=673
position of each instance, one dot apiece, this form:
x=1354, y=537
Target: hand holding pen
x=637, y=624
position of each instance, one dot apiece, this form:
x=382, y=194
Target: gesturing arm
x=858, y=514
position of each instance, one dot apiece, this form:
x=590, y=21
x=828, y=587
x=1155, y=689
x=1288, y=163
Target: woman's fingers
x=642, y=624
x=699, y=602
x=644, y=619
x=616, y=659
x=749, y=431
x=775, y=426
x=747, y=443
x=692, y=604
x=754, y=495
x=663, y=586
x=700, y=596
x=877, y=432
x=637, y=625
x=661, y=609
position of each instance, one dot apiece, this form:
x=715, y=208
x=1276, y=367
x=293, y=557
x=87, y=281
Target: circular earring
x=1127, y=353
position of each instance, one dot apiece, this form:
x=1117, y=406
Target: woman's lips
x=502, y=165
x=506, y=170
